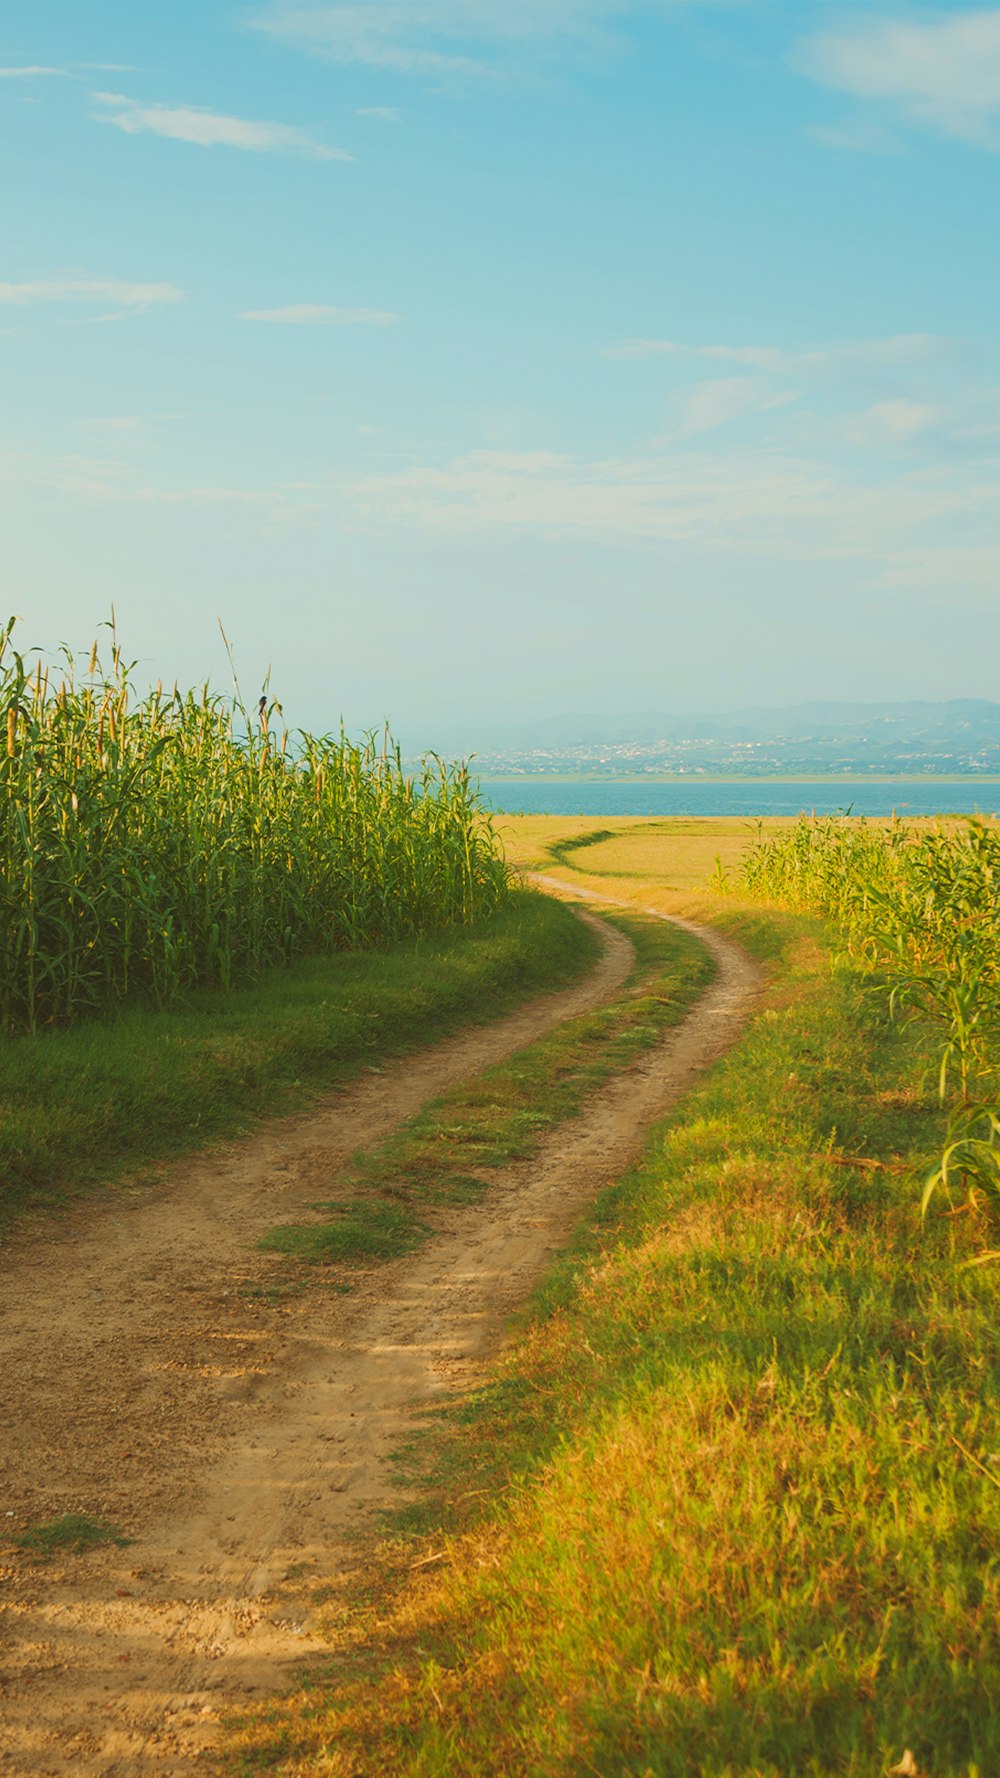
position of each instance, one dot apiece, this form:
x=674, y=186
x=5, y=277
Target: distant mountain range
x=959, y=735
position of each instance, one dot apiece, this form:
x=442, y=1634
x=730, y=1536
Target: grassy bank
x=732, y=1503
x=78, y=1105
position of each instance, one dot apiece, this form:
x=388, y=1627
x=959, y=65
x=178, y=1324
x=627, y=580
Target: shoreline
x=693, y=778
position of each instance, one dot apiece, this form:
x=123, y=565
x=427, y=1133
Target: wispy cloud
x=123, y=423
x=384, y=113
x=855, y=137
x=779, y=503
x=896, y=349
x=112, y=481
x=776, y=505
x=28, y=73
x=940, y=572
x=893, y=422
x=321, y=315
x=211, y=129
x=900, y=394
x=942, y=72
x=397, y=38
x=110, y=292
x=722, y=400
x=440, y=38
x=937, y=420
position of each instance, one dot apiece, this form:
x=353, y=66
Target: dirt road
x=148, y=1377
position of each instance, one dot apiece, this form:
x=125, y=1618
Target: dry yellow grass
x=668, y=862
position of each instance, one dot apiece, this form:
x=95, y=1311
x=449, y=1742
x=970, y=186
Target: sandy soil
x=149, y=1376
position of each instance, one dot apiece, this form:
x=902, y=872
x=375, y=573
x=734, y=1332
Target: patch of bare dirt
x=148, y=1377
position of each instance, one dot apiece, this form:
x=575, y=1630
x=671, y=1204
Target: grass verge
x=447, y=1152
x=78, y=1105
x=732, y=1503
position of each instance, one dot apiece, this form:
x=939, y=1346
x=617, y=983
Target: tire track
x=244, y=1440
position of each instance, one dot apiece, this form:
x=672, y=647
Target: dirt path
x=236, y=1437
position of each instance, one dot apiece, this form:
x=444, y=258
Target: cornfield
x=920, y=913
x=148, y=845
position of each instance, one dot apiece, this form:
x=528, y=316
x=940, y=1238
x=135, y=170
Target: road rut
x=240, y=1439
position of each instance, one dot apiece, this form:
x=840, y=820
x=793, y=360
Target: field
x=166, y=841
x=727, y=1502
x=632, y=857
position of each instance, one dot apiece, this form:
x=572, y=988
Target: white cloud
x=210, y=129
x=121, y=423
x=27, y=73
x=855, y=137
x=943, y=71
x=777, y=503
x=944, y=570
x=106, y=478
x=883, y=394
x=769, y=505
x=384, y=113
x=376, y=35
x=321, y=315
x=896, y=350
x=721, y=400
x=945, y=421
x=442, y=37
x=125, y=298
x=894, y=422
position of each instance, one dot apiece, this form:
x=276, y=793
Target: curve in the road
x=267, y=1434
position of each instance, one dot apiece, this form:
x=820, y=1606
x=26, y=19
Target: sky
x=483, y=360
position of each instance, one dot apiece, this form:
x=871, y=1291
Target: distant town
x=960, y=738
x=707, y=758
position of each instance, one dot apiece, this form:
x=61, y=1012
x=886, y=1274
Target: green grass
x=72, y=1534
x=446, y=1153
x=80, y=1105
x=362, y=1230
x=578, y=842
x=731, y=1504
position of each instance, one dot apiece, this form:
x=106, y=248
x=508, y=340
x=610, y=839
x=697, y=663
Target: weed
x=73, y=1533
x=356, y=1231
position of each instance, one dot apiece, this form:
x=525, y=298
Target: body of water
x=766, y=796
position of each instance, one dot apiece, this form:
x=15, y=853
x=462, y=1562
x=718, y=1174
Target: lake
x=542, y=795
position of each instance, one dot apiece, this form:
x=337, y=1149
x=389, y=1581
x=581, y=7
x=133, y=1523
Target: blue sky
x=499, y=358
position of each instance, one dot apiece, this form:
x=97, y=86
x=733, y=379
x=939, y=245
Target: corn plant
x=920, y=912
x=149, y=844
x=970, y=1159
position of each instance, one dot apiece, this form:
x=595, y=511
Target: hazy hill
x=957, y=735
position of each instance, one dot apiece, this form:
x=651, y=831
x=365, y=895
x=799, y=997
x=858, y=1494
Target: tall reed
x=148, y=844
